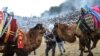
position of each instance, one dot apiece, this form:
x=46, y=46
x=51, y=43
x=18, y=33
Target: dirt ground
x=71, y=50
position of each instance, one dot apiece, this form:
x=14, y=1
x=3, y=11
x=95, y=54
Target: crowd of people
x=66, y=17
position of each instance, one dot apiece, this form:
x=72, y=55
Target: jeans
x=61, y=46
x=48, y=48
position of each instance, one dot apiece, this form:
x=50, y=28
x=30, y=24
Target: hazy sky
x=29, y=7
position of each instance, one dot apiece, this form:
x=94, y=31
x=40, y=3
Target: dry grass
x=71, y=50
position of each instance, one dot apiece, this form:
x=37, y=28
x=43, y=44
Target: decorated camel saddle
x=8, y=28
x=90, y=21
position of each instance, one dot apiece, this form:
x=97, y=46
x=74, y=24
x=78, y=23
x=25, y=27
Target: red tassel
x=20, y=41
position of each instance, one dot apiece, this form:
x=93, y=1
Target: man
x=50, y=43
x=82, y=22
x=60, y=45
x=9, y=35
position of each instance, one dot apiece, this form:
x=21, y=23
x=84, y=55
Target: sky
x=29, y=7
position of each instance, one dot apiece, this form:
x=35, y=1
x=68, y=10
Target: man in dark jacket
x=50, y=43
x=60, y=45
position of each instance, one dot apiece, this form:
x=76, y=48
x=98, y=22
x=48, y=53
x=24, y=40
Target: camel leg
x=81, y=54
x=34, y=52
x=81, y=46
x=20, y=52
x=8, y=50
x=95, y=43
x=88, y=46
x=95, y=40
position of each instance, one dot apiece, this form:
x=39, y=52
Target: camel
x=69, y=32
x=32, y=40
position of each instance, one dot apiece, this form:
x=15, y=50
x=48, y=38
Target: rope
x=7, y=34
x=6, y=26
x=3, y=22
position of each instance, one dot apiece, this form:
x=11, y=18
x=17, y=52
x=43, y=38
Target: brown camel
x=32, y=40
x=64, y=32
x=69, y=32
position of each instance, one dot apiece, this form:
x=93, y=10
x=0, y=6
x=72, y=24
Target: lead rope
x=7, y=34
x=10, y=19
x=16, y=35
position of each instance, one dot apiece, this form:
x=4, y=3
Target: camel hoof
x=90, y=54
x=34, y=53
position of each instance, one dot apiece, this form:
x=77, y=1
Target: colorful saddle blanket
x=96, y=9
x=92, y=21
x=83, y=25
x=89, y=23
